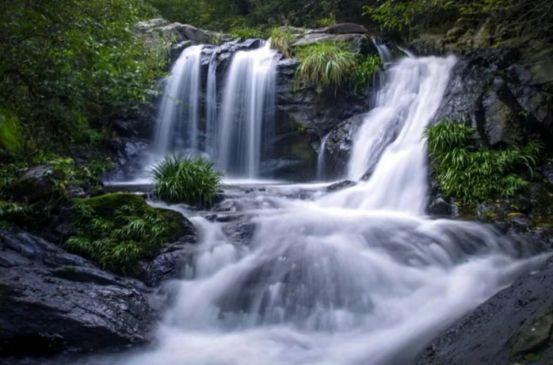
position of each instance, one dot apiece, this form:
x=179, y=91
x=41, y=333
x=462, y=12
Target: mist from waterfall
x=177, y=127
x=247, y=114
x=356, y=277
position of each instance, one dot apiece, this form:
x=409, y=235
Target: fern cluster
x=477, y=174
x=190, y=181
x=366, y=68
x=118, y=230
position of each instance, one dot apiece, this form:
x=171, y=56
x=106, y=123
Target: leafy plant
x=10, y=132
x=477, y=174
x=364, y=72
x=281, y=39
x=325, y=66
x=191, y=181
x=118, y=230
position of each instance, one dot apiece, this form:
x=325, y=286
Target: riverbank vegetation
x=478, y=174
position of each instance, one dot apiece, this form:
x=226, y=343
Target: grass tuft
x=191, y=181
x=325, y=66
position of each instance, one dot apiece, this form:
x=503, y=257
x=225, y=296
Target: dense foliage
x=227, y=14
x=190, y=181
x=477, y=174
x=68, y=68
x=118, y=230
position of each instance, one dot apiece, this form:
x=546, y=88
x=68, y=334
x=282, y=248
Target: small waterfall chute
x=178, y=117
x=247, y=111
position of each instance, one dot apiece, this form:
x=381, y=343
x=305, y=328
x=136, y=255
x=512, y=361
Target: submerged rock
x=55, y=302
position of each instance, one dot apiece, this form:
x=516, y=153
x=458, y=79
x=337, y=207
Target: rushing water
x=247, y=113
x=356, y=277
x=321, y=166
x=211, y=107
x=177, y=128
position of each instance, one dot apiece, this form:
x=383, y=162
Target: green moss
x=10, y=132
x=325, y=66
x=118, y=230
x=190, y=181
x=475, y=175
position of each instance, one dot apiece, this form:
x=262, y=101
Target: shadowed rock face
x=52, y=302
x=515, y=324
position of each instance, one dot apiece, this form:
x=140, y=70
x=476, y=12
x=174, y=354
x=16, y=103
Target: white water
x=177, y=122
x=321, y=158
x=358, y=277
x=247, y=112
x=211, y=108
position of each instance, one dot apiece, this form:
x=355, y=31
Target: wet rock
x=54, y=302
x=505, y=329
x=500, y=99
x=340, y=185
x=36, y=183
x=170, y=263
x=440, y=207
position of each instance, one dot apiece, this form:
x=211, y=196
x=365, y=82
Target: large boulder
x=52, y=302
x=514, y=326
x=500, y=99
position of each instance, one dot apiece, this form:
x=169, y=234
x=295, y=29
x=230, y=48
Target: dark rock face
x=52, y=302
x=516, y=324
x=498, y=98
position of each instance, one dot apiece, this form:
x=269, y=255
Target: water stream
x=247, y=112
x=177, y=123
x=356, y=277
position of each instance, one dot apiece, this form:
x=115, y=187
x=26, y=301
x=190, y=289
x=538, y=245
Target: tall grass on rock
x=190, y=180
x=325, y=66
x=281, y=39
x=477, y=174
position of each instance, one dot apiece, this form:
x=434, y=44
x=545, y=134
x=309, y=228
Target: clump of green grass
x=326, y=65
x=281, y=39
x=191, y=181
x=364, y=72
x=243, y=32
x=11, y=138
x=473, y=174
x=120, y=229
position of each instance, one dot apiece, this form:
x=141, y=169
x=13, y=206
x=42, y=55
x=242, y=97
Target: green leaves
x=325, y=66
x=365, y=70
x=190, y=181
x=476, y=175
x=281, y=39
x=118, y=230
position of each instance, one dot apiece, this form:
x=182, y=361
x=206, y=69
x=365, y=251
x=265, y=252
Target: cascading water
x=355, y=277
x=321, y=158
x=247, y=112
x=177, y=125
x=211, y=108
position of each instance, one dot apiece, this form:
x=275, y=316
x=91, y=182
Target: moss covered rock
x=118, y=230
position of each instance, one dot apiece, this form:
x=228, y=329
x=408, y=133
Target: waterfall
x=246, y=114
x=390, y=145
x=354, y=277
x=321, y=158
x=177, y=121
x=211, y=107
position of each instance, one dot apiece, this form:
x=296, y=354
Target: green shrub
x=190, y=181
x=281, y=39
x=325, y=66
x=120, y=229
x=476, y=174
x=365, y=71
